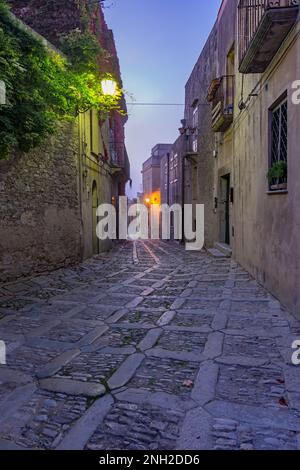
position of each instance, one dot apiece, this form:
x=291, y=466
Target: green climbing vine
x=44, y=86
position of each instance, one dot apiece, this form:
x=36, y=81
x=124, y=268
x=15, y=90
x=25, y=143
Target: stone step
x=224, y=248
x=216, y=253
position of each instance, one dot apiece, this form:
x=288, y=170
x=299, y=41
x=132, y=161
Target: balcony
x=263, y=26
x=221, y=95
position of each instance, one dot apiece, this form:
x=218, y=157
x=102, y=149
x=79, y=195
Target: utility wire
x=156, y=104
x=164, y=104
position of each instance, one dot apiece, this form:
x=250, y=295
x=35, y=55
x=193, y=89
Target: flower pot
x=278, y=187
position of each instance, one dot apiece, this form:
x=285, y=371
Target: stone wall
x=50, y=18
x=267, y=224
x=39, y=207
x=201, y=173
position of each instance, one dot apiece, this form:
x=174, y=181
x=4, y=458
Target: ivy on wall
x=45, y=86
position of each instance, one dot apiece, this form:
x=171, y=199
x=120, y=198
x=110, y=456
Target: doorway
x=94, y=218
x=225, y=209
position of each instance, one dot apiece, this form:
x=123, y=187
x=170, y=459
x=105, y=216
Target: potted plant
x=277, y=176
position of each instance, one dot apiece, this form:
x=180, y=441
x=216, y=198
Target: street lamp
x=109, y=87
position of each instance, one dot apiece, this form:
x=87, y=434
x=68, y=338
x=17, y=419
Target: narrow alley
x=147, y=347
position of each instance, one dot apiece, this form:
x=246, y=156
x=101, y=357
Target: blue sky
x=158, y=43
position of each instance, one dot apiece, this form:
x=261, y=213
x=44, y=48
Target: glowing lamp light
x=147, y=200
x=109, y=87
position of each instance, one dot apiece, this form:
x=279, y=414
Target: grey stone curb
x=73, y=387
x=117, y=316
x=214, y=345
x=158, y=284
x=135, y=302
x=225, y=306
x=158, y=399
x=71, y=313
x=56, y=364
x=247, y=361
x=280, y=418
x=125, y=372
x=126, y=350
x=147, y=291
x=219, y=321
x=92, y=336
x=192, y=285
x=178, y=303
x=189, y=329
x=150, y=339
x=166, y=318
x=136, y=326
x=251, y=332
x=85, y=427
x=50, y=344
x=186, y=293
x=205, y=384
x=196, y=431
x=132, y=326
x=177, y=355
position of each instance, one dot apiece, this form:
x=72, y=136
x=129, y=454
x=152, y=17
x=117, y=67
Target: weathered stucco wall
x=205, y=174
x=39, y=207
x=267, y=226
x=201, y=174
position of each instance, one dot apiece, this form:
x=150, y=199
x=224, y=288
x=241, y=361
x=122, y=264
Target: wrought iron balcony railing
x=221, y=95
x=263, y=25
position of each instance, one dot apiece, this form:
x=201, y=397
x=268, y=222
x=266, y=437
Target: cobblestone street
x=147, y=347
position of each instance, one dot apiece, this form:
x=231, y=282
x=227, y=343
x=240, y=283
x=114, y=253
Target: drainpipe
x=168, y=178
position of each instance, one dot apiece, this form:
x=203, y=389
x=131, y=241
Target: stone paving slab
x=147, y=347
x=72, y=387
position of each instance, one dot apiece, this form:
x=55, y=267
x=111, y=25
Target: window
x=171, y=169
x=277, y=174
x=195, y=142
x=195, y=117
x=195, y=128
x=175, y=168
x=166, y=176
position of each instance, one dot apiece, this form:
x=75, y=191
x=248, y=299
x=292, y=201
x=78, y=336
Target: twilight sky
x=158, y=43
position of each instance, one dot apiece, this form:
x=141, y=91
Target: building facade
x=151, y=173
x=171, y=174
x=242, y=148
x=266, y=131
x=49, y=196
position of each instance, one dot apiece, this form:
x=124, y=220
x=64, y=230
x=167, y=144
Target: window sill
x=278, y=191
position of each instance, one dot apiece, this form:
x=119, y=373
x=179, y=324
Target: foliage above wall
x=45, y=86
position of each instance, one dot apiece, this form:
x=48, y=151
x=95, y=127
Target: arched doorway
x=94, y=218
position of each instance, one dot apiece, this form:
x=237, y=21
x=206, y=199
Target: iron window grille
x=279, y=142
